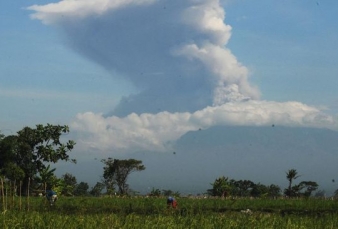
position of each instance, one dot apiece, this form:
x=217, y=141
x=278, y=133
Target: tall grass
x=140, y=212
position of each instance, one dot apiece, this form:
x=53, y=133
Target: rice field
x=140, y=212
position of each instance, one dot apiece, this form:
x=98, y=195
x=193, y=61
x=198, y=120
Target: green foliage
x=45, y=179
x=81, y=189
x=78, y=212
x=117, y=171
x=32, y=148
x=97, y=189
x=296, y=190
x=241, y=187
x=309, y=186
x=291, y=175
x=13, y=172
x=155, y=192
x=69, y=182
x=8, y=152
x=220, y=187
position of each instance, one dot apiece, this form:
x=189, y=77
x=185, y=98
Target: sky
x=136, y=75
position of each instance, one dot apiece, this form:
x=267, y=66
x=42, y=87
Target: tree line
x=26, y=158
x=224, y=187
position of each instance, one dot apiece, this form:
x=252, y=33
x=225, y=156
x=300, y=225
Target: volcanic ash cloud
x=175, y=53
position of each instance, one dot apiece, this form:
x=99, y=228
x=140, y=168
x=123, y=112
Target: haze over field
x=167, y=69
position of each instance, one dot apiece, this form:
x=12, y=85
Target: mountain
x=260, y=154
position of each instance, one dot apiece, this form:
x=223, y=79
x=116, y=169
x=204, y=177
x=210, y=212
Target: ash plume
x=175, y=52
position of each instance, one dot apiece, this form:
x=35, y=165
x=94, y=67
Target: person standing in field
x=171, y=202
x=51, y=196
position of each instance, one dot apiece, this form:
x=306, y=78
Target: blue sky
x=43, y=81
x=290, y=46
x=137, y=75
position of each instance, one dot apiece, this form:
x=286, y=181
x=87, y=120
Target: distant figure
x=171, y=202
x=51, y=197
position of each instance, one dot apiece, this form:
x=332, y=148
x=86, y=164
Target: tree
x=8, y=147
x=45, y=178
x=97, y=189
x=291, y=175
x=241, y=187
x=69, y=182
x=309, y=187
x=31, y=149
x=117, y=171
x=81, y=189
x=220, y=187
x=110, y=186
x=274, y=190
x=155, y=192
x=166, y=192
x=296, y=190
x=259, y=190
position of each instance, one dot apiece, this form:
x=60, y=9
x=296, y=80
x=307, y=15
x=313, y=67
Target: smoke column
x=175, y=53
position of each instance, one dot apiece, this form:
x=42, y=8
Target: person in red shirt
x=171, y=202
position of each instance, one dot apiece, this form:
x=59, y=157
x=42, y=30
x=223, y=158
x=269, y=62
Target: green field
x=140, y=212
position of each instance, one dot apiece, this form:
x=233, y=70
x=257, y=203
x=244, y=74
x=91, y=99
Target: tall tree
x=291, y=175
x=220, y=187
x=31, y=149
x=117, y=171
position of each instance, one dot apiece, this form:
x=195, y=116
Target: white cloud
x=225, y=68
x=184, y=41
x=54, y=12
x=208, y=17
x=156, y=131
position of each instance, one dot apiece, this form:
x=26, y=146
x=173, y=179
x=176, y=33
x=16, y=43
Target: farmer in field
x=51, y=197
x=171, y=202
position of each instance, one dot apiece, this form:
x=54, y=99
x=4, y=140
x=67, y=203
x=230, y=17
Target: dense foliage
x=25, y=155
x=117, y=171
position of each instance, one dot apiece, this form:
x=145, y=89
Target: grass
x=90, y=212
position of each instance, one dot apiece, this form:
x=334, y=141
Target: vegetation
x=117, y=171
x=25, y=170
x=151, y=212
x=24, y=155
x=296, y=190
x=223, y=187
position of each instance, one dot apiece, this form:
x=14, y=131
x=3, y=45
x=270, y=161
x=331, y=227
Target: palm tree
x=46, y=178
x=291, y=175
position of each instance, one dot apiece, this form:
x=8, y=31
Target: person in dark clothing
x=51, y=196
